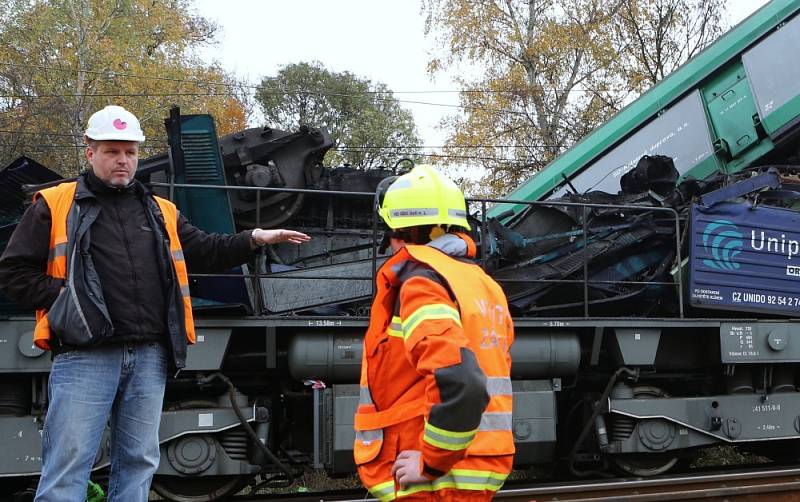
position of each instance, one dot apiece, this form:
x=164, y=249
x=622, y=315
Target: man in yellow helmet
x=434, y=415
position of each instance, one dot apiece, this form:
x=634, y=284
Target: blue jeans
x=126, y=380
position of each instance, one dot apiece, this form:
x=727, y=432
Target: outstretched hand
x=407, y=468
x=277, y=235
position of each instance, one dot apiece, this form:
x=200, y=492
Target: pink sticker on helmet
x=120, y=125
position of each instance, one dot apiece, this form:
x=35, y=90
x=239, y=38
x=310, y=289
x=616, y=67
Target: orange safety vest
x=60, y=199
x=481, y=302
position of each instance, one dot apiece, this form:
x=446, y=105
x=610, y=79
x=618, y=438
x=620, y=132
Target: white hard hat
x=114, y=123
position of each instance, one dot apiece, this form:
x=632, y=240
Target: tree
x=657, y=36
x=367, y=124
x=549, y=71
x=61, y=60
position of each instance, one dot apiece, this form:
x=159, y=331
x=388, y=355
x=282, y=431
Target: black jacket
x=134, y=274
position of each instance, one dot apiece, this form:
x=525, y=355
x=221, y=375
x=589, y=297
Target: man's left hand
x=276, y=235
x=407, y=468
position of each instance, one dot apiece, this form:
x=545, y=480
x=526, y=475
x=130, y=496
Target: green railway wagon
x=735, y=104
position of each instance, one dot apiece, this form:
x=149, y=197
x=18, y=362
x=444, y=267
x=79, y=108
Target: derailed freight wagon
x=641, y=334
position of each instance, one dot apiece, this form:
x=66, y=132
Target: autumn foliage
x=62, y=60
x=538, y=75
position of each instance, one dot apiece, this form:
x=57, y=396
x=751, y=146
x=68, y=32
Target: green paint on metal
x=723, y=80
x=782, y=115
x=207, y=209
x=707, y=166
x=750, y=155
x=731, y=114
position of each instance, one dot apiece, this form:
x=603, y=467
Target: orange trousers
x=406, y=436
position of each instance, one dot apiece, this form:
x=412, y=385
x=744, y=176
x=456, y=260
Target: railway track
x=766, y=484
x=774, y=485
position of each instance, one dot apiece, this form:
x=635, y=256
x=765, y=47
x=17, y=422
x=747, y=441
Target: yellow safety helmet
x=423, y=197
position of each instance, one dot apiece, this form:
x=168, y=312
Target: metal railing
x=585, y=281
x=585, y=206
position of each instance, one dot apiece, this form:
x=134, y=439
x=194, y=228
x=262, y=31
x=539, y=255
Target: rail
x=767, y=484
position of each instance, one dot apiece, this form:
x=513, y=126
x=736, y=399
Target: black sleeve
x=209, y=253
x=462, y=389
x=23, y=265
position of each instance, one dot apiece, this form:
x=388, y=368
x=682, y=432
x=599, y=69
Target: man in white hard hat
x=104, y=263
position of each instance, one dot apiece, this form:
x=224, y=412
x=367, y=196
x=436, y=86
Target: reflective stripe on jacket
x=431, y=316
x=67, y=224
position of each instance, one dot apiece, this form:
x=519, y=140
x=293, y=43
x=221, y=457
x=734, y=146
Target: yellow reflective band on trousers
x=447, y=440
x=396, y=327
x=460, y=479
x=428, y=312
x=383, y=491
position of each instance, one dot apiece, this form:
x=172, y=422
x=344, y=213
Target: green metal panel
x=704, y=168
x=749, y=156
x=731, y=110
x=208, y=209
x=195, y=159
x=649, y=105
x=782, y=115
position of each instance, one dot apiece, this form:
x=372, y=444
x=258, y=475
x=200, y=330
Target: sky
x=382, y=40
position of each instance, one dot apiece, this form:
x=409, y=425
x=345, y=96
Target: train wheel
x=198, y=489
x=655, y=433
x=191, y=455
x=652, y=465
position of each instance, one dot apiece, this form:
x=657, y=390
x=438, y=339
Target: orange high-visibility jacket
x=60, y=200
x=435, y=374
